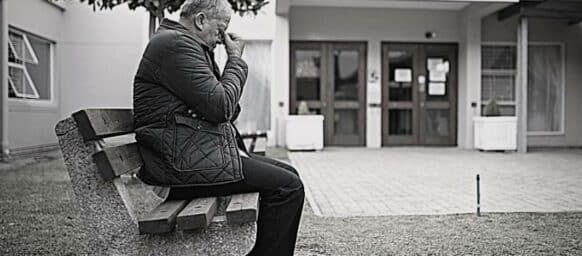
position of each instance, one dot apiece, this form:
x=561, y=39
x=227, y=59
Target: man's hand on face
x=234, y=44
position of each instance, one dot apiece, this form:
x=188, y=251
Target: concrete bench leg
x=109, y=226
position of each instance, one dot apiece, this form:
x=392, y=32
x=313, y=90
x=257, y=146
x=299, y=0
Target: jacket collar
x=177, y=26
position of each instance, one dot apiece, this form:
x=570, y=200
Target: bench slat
x=115, y=161
x=197, y=214
x=101, y=123
x=162, y=219
x=243, y=208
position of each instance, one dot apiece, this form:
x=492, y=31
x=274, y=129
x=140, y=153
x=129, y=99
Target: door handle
x=375, y=105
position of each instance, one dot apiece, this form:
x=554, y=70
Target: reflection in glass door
x=330, y=78
x=419, y=94
x=307, y=77
x=401, y=99
x=347, y=94
x=438, y=99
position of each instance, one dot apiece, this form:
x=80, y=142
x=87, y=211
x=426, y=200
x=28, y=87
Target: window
x=29, y=66
x=545, y=83
x=58, y=3
x=545, y=88
x=498, y=77
x=256, y=98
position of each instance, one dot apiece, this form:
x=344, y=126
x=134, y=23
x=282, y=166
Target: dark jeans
x=281, y=202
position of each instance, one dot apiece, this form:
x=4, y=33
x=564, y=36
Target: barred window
x=498, y=77
x=545, y=83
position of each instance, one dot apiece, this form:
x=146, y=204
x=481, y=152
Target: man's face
x=213, y=31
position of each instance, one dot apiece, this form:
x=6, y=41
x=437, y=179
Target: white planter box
x=495, y=132
x=304, y=132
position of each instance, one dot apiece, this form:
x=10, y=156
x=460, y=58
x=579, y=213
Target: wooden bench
x=100, y=164
x=253, y=137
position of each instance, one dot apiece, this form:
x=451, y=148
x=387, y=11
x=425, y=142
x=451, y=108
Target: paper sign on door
x=436, y=88
x=437, y=69
x=403, y=75
x=437, y=76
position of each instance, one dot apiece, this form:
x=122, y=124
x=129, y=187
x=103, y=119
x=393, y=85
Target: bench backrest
x=98, y=124
x=103, y=201
x=102, y=123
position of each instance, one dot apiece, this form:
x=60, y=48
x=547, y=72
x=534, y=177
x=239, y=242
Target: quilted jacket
x=184, y=109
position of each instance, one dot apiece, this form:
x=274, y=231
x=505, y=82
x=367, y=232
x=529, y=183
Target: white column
x=374, y=95
x=280, y=87
x=4, y=82
x=521, y=85
x=469, y=87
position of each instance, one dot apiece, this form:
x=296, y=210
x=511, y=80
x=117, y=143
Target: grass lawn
x=38, y=217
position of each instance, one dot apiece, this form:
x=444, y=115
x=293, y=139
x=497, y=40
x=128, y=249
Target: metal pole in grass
x=478, y=198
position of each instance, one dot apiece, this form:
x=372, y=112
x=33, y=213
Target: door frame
x=419, y=68
x=318, y=104
x=386, y=104
x=326, y=105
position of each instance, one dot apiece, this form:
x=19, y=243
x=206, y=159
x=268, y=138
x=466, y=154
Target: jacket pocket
x=197, y=145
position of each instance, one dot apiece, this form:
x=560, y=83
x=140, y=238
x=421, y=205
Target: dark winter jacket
x=183, y=111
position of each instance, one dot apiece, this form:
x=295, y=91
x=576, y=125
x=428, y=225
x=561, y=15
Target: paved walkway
x=419, y=181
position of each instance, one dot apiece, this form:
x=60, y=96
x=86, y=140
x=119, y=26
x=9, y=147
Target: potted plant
x=493, y=131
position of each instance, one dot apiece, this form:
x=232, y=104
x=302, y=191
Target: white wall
x=546, y=30
x=32, y=123
x=95, y=58
x=100, y=53
x=470, y=69
x=374, y=26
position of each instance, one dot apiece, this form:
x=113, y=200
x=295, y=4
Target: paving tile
x=416, y=180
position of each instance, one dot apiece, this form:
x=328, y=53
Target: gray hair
x=212, y=8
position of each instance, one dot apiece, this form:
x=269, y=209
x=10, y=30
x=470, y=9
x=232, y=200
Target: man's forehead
x=224, y=8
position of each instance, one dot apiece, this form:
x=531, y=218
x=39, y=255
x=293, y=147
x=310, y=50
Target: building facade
x=59, y=58
x=382, y=73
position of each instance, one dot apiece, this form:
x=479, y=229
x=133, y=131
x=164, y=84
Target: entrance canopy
x=284, y=5
x=567, y=10
x=535, y=72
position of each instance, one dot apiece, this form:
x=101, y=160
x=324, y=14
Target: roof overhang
x=284, y=5
x=567, y=10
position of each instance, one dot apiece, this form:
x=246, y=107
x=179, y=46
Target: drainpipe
x=3, y=83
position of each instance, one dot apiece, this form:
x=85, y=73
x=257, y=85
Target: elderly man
x=183, y=113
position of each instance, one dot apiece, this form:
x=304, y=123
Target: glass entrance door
x=419, y=94
x=330, y=78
